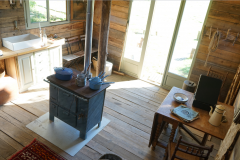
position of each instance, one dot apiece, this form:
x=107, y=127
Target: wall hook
x=235, y=39
x=210, y=32
x=12, y=3
x=227, y=34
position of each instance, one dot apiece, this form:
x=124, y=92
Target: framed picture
x=78, y=10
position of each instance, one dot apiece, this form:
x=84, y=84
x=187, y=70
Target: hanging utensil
x=227, y=34
x=235, y=39
x=107, y=83
x=104, y=77
x=100, y=73
x=88, y=69
x=210, y=32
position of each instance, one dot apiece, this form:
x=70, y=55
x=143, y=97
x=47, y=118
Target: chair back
x=218, y=75
x=70, y=41
x=191, y=149
x=82, y=39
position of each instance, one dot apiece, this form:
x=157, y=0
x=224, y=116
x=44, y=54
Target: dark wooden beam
x=103, y=35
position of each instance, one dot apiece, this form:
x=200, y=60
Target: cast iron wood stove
x=79, y=107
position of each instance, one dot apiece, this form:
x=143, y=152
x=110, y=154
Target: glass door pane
x=188, y=36
x=159, y=40
x=136, y=29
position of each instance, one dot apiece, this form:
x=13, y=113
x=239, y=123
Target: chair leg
x=71, y=63
x=166, y=154
x=166, y=125
x=79, y=65
x=74, y=62
x=64, y=64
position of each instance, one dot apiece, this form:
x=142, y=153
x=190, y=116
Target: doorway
x=186, y=38
x=136, y=33
x=161, y=40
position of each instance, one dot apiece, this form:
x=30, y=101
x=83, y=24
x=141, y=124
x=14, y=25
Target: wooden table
x=164, y=115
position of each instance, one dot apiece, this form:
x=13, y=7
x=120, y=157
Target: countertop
x=7, y=53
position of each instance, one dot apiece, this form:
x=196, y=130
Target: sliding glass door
x=185, y=42
x=162, y=38
x=137, y=33
x=159, y=40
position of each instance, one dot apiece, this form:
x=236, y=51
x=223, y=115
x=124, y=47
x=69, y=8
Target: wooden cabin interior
x=150, y=49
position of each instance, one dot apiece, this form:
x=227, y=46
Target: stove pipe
x=88, y=37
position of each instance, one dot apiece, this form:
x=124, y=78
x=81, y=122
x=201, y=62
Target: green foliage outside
x=38, y=13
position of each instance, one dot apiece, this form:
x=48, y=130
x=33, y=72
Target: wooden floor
x=130, y=105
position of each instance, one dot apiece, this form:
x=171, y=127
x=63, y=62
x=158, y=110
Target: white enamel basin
x=21, y=42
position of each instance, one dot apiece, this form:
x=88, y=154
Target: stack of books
x=184, y=113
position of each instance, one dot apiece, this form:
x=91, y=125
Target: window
x=46, y=12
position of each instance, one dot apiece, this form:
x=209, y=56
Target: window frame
x=30, y=25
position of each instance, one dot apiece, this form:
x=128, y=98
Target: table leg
x=160, y=127
x=174, y=127
x=83, y=135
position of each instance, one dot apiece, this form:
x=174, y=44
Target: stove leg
x=99, y=124
x=51, y=117
x=83, y=135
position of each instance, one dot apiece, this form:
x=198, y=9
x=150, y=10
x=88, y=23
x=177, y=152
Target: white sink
x=21, y=42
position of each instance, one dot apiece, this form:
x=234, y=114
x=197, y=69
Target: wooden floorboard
x=5, y=149
x=130, y=105
x=11, y=141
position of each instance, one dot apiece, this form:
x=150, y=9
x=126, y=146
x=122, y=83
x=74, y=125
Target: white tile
x=63, y=135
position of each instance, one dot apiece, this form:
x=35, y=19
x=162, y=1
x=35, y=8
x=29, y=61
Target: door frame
x=172, y=45
x=144, y=45
x=170, y=54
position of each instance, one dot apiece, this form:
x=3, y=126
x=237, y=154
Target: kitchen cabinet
x=25, y=67
x=36, y=66
x=41, y=65
x=55, y=58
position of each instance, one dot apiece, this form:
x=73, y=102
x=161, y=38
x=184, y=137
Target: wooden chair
x=218, y=75
x=71, y=57
x=82, y=39
x=187, y=151
x=230, y=149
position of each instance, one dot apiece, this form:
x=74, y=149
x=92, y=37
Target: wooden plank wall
x=223, y=15
x=118, y=24
x=2, y=64
x=9, y=15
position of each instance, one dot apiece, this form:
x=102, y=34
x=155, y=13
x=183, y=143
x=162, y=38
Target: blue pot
x=94, y=84
x=62, y=73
